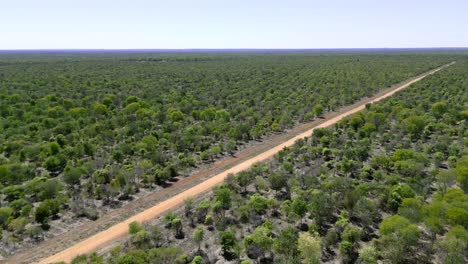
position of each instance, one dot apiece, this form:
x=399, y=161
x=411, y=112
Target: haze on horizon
x=242, y=24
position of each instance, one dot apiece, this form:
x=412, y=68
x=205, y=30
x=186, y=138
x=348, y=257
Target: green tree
x=5, y=216
x=453, y=246
x=258, y=203
x=398, y=193
x=223, y=195
x=309, y=247
x=462, y=173
x=72, y=176
x=346, y=251
x=299, y=207
x=54, y=148
x=198, y=236
x=286, y=243
x=228, y=240
x=244, y=179
x=368, y=254
x=5, y=174
x=318, y=110
x=177, y=227
x=54, y=163
x=134, y=227
x=18, y=225
x=439, y=109
x=202, y=210
x=261, y=238
x=277, y=180
x=452, y=250
x=410, y=208
x=42, y=214
x=398, y=239
x=414, y=125
x=445, y=179
x=198, y=260
x=366, y=211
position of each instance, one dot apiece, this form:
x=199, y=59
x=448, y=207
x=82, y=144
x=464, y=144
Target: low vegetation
x=386, y=185
x=83, y=134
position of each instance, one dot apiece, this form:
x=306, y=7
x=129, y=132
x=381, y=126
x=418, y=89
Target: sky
x=235, y=24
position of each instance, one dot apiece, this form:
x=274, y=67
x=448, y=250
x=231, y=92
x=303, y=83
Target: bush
x=134, y=227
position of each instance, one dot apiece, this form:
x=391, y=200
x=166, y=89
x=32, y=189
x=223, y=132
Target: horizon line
x=228, y=49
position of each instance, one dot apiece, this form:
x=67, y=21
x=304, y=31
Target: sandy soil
x=176, y=194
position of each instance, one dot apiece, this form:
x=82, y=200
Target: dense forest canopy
x=82, y=133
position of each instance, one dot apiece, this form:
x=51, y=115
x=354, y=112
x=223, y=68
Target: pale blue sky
x=178, y=24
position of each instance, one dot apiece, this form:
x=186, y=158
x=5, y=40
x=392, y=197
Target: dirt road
x=119, y=230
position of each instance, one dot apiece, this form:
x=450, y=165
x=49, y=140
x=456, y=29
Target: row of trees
x=367, y=190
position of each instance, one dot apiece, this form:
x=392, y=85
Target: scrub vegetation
x=82, y=134
x=386, y=185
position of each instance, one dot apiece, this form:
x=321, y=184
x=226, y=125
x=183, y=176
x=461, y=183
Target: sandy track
x=117, y=231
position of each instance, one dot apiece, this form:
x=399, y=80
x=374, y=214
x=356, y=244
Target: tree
x=17, y=225
x=398, y=238
x=320, y=207
x=54, y=148
x=410, y=208
x=462, y=173
x=223, y=195
x=368, y=254
x=452, y=250
x=134, y=227
x=309, y=247
x=155, y=236
x=277, y=181
x=453, y=246
x=356, y=121
x=100, y=110
x=166, y=255
x=351, y=234
x=244, y=178
x=42, y=214
x=413, y=125
x=227, y=240
x=299, y=207
x=258, y=203
x=72, y=176
x=188, y=208
x=177, y=227
x=5, y=174
x=439, y=109
x=202, y=210
x=133, y=256
x=350, y=238
x=398, y=193
x=435, y=226
x=188, y=203
x=261, y=238
x=197, y=236
x=445, y=179
x=80, y=259
x=49, y=189
x=54, y=163
x=346, y=250
x=286, y=243
x=366, y=211
x=198, y=260
x=140, y=238
x=5, y=216
x=318, y=110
